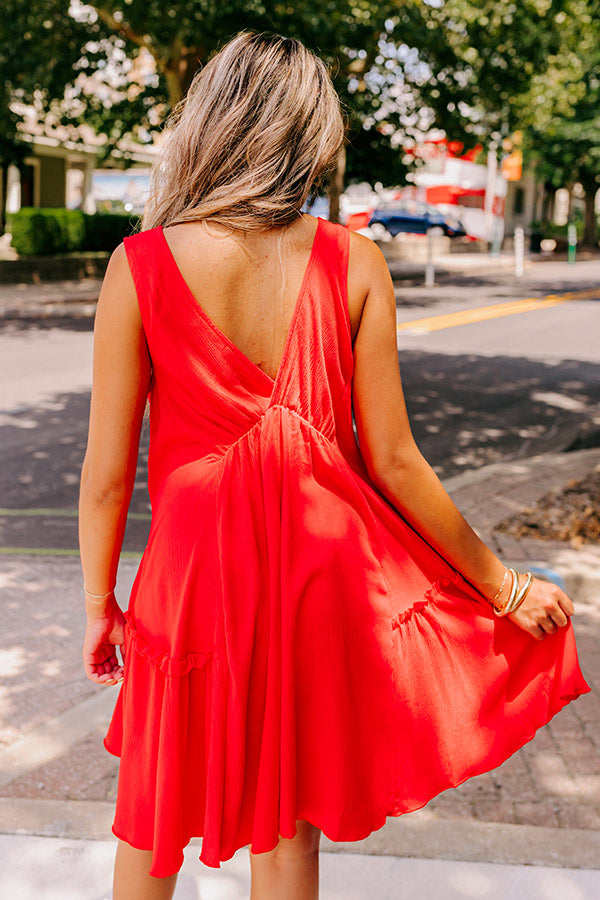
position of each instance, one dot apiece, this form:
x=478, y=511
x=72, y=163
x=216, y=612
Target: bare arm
x=121, y=376
x=398, y=468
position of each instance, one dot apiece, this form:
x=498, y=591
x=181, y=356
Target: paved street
x=508, y=386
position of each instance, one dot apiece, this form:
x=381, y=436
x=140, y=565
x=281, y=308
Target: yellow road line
x=495, y=311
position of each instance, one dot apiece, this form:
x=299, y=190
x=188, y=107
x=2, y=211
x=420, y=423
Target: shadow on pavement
x=467, y=411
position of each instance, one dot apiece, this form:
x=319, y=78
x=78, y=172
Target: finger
x=566, y=605
x=559, y=618
x=548, y=625
x=90, y=669
x=538, y=633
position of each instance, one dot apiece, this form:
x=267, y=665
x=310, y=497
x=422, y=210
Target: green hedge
x=38, y=232
x=552, y=230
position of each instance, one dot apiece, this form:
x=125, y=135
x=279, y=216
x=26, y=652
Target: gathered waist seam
x=220, y=457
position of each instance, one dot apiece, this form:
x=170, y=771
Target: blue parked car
x=415, y=219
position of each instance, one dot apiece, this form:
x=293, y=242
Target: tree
x=111, y=36
x=560, y=111
x=400, y=66
x=532, y=67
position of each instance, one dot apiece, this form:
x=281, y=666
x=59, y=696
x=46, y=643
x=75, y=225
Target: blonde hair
x=260, y=124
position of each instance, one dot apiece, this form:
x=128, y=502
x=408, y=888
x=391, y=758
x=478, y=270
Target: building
x=58, y=171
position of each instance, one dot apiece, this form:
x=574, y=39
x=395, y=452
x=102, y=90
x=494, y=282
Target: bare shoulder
x=118, y=297
x=366, y=262
x=118, y=265
x=368, y=273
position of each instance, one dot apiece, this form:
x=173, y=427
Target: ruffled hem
x=183, y=775
x=360, y=833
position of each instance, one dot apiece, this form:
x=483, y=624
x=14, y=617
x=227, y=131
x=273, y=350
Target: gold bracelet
x=499, y=591
x=516, y=596
x=503, y=610
x=523, y=592
x=97, y=599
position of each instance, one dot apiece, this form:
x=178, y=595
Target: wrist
x=105, y=611
x=97, y=605
x=496, y=585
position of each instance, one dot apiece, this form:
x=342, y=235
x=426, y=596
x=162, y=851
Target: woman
x=315, y=639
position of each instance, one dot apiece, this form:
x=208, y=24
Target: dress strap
x=334, y=259
x=143, y=252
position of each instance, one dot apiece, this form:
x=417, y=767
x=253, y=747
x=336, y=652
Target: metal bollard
x=429, y=268
x=572, y=242
x=519, y=243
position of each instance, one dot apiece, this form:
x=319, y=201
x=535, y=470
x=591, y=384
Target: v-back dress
x=294, y=648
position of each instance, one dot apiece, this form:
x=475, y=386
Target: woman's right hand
x=105, y=632
x=545, y=609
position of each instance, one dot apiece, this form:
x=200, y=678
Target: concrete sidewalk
x=529, y=829
x=33, y=868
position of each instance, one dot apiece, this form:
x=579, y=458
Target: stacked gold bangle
x=516, y=595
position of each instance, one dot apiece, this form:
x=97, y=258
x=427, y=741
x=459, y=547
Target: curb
x=580, y=568
x=82, y=307
x=414, y=835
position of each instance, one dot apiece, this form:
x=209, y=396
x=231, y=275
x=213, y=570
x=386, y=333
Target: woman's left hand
x=545, y=609
x=104, y=633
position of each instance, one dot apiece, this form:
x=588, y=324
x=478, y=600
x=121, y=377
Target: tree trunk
x=589, y=229
x=547, y=198
x=179, y=72
x=336, y=186
x=4, y=176
x=570, y=187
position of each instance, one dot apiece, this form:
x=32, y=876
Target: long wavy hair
x=261, y=123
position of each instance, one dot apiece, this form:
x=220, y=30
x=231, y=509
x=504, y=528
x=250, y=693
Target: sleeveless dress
x=294, y=648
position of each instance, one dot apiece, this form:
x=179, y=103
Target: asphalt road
x=499, y=368
x=486, y=377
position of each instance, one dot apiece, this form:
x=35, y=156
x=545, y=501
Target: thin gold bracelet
x=499, y=591
x=504, y=610
x=97, y=599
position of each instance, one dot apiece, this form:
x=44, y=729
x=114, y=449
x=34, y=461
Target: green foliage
x=371, y=157
x=478, y=69
x=551, y=230
x=44, y=49
x=45, y=231
x=486, y=54
x=105, y=231
x=38, y=231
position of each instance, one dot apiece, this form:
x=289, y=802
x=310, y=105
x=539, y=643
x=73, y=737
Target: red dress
x=295, y=649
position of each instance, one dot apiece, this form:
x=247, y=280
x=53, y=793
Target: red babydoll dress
x=294, y=648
